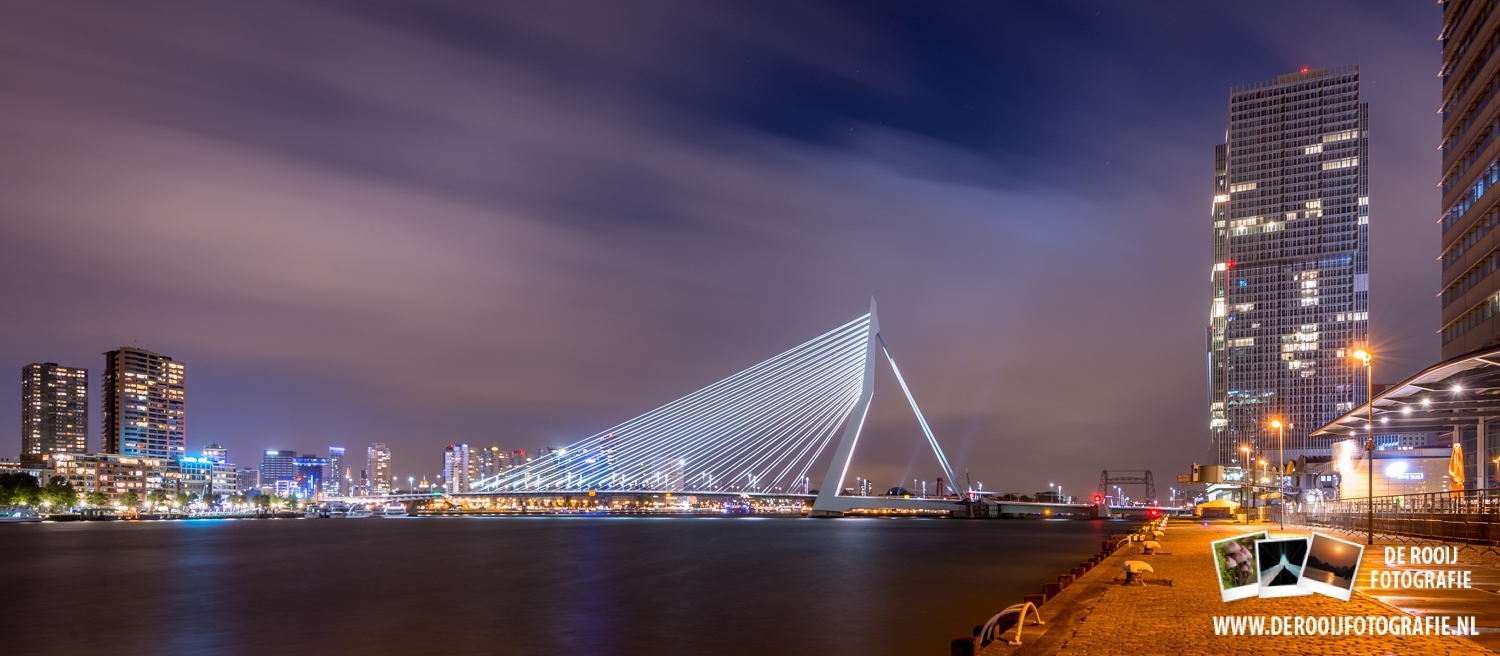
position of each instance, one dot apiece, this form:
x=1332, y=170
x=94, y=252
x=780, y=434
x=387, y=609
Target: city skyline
x=422, y=271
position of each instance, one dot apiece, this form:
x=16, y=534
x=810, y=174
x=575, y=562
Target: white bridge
x=756, y=432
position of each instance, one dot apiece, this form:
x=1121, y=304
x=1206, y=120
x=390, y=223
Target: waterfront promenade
x=1097, y=615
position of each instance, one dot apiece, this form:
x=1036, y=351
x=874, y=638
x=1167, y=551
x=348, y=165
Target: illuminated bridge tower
x=1291, y=262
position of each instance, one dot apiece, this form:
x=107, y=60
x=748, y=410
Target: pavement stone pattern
x=1178, y=619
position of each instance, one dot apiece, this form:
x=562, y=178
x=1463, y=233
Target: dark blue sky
x=439, y=222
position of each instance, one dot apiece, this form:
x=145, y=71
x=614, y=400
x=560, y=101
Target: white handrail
x=989, y=633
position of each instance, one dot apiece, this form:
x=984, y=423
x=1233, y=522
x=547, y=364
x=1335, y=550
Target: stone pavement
x=1097, y=615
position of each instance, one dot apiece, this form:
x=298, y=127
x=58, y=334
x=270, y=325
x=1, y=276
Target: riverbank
x=1098, y=615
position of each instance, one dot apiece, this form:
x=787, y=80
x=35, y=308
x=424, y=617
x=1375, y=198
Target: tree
x=17, y=488
x=156, y=497
x=60, y=493
x=130, y=500
x=96, y=499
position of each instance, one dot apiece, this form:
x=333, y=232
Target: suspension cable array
x=757, y=431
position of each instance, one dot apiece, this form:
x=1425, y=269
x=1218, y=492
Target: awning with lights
x=1459, y=392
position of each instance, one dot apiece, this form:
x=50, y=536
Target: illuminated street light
x=1368, y=359
x=1281, y=456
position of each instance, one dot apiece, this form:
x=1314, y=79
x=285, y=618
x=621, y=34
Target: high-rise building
x=458, y=468
x=334, y=484
x=1471, y=249
x=1291, y=262
x=1471, y=245
x=378, y=469
x=54, y=411
x=492, y=461
x=277, y=466
x=144, y=404
x=312, y=471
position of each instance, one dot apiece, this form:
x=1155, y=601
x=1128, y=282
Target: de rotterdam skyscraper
x=1290, y=276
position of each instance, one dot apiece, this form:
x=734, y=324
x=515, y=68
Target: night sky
x=518, y=224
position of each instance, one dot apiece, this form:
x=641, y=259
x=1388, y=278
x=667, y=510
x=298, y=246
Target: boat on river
x=19, y=515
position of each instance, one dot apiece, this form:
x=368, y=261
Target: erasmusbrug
x=756, y=432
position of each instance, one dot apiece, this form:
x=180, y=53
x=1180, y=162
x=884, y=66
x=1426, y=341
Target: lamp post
x=1281, y=457
x=1244, y=491
x=1368, y=359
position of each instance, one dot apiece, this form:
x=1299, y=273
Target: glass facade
x=1290, y=278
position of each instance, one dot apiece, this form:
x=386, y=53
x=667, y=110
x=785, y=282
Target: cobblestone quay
x=1097, y=615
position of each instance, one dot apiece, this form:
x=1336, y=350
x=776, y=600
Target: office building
x=144, y=405
x=1291, y=255
x=54, y=411
x=378, y=469
x=246, y=480
x=311, y=474
x=189, y=475
x=335, y=483
x=216, y=453
x=277, y=466
x=458, y=468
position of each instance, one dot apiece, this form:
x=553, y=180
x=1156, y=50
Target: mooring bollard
x=1133, y=571
x=1066, y=580
x=1050, y=590
x=962, y=647
x=1036, y=600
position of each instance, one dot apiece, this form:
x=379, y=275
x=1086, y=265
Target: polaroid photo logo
x=1254, y=565
x=1235, y=557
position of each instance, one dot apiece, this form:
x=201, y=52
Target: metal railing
x=1470, y=517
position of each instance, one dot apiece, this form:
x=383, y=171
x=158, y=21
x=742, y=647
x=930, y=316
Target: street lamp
x=1281, y=456
x=1368, y=359
x=1244, y=491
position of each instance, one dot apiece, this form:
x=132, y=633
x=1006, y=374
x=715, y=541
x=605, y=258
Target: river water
x=523, y=585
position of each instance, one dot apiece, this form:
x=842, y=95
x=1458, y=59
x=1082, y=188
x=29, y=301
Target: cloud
x=456, y=222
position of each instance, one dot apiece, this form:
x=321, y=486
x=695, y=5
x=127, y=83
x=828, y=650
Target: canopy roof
x=1454, y=393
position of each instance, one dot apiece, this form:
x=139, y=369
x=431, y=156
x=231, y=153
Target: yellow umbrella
x=1456, y=469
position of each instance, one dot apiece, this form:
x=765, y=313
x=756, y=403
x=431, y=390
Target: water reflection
x=549, y=585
